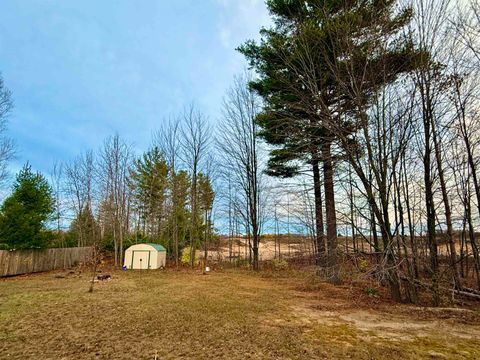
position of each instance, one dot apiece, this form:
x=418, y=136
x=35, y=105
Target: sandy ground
x=266, y=250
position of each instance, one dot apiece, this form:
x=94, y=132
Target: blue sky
x=82, y=70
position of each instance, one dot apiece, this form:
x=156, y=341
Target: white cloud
x=241, y=20
x=225, y=37
x=238, y=21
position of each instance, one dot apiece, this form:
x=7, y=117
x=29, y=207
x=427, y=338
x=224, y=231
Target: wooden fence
x=29, y=261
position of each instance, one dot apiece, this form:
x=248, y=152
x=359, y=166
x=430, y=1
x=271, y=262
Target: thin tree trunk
x=448, y=212
x=428, y=182
x=332, y=257
x=473, y=242
x=319, y=234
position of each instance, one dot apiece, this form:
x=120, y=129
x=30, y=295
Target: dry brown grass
x=224, y=315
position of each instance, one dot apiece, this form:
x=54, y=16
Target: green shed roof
x=158, y=247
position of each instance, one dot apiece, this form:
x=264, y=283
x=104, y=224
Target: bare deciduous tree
x=80, y=182
x=241, y=154
x=6, y=143
x=113, y=167
x=168, y=140
x=195, y=140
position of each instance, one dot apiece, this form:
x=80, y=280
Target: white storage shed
x=145, y=256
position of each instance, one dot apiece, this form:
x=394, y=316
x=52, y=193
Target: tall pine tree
x=319, y=66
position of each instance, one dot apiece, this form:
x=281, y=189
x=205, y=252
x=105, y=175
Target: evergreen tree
x=292, y=119
x=149, y=180
x=319, y=67
x=24, y=214
x=206, y=196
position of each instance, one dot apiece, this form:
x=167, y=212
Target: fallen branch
x=468, y=294
x=469, y=290
x=471, y=293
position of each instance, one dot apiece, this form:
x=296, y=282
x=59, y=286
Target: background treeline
x=161, y=196
x=378, y=103
x=112, y=198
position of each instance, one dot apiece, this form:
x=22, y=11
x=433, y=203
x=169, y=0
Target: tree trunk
x=473, y=242
x=429, y=204
x=448, y=212
x=332, y=256
x=319, y=235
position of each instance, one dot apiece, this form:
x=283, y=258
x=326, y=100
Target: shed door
x=141, y=259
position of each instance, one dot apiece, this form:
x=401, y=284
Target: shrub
x=372, y=292
x=185, y=259
x=280, y=264
x=242, y=262
x=363, y=264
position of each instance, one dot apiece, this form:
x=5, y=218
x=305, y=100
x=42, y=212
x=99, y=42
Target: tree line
x=380, y=99
x=164, y=196
x=111, y=198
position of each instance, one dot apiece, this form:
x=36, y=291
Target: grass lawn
x=224, y=315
